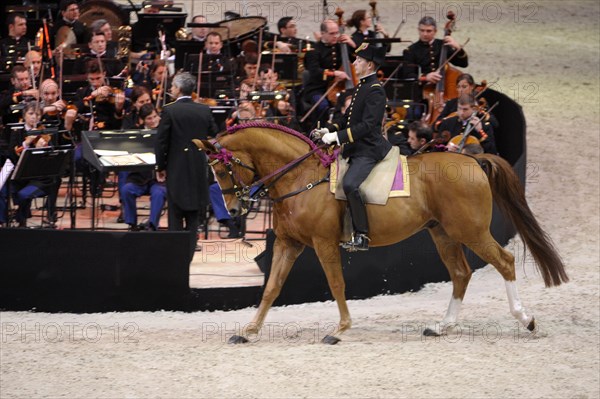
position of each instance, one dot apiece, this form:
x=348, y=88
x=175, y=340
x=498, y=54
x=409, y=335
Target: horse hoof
x=531, y=325
x=428, y=332
x=330, y=340
x=237, y=339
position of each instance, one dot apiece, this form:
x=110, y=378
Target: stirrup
x=358, y=242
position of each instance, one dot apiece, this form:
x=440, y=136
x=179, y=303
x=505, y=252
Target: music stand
x=144, y=31
x=42, y=162
x=132, y=144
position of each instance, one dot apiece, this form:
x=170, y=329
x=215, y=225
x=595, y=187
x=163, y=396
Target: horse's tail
x=510, y=197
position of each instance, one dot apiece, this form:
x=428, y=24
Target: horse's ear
x=205, y=146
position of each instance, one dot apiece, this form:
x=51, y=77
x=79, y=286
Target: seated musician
x=467, y=116
x=15, y=45
x=139, y=97
x=33, y=62
x=52, y=111
x=363, y=142
x=246, y=110
x=103, y=26
x=199, y=34
x=425, y=53
x=151, y=76
x=419, y=134
x=281, y=111
x=249, y=65
x=143, y=183
x=97, y=47
x=24, y=191
x=69, y=16
x=214, y=60
x=323, y=65
x=362, y=21
x=465, y=84
x=105, y=103
x=12, y=99
x=287, y=42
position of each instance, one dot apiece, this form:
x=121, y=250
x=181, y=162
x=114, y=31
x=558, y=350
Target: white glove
x=330, y=138
x=318, y=133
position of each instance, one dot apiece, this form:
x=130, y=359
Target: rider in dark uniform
x=361, y=137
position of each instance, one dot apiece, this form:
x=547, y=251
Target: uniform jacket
x=428, y=58
x=360, y=132
x=316, y=62
x=186, y=166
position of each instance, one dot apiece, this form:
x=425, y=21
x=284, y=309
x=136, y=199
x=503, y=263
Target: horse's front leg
x=331, y=261
x=285, y=253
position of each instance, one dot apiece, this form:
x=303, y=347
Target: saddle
x=388, y=179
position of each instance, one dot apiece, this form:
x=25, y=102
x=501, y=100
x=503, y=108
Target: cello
x=445, y=88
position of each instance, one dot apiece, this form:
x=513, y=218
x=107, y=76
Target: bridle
x=244, y=192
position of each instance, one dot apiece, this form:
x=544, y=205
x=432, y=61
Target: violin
x=36, y=140
x=100, y=97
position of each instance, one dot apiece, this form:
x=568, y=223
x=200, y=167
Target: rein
x=243, y=191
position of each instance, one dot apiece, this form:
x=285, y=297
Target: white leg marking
x=516, y=309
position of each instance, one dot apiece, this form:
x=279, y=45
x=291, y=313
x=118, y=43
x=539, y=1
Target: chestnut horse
x=288, y=167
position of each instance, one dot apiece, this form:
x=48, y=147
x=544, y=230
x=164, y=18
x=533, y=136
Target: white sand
x=546, y=54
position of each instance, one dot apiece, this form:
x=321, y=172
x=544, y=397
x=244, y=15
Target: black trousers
x=178, y=216
x=358, y=171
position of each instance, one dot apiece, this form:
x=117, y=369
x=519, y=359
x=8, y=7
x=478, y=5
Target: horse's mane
x=326, y=159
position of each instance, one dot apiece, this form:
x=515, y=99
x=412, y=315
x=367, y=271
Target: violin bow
x=470, y=128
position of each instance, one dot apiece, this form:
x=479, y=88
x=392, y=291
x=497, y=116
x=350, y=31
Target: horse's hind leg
x=285, y=253
x=452, y=255
x=489, y=250
x=331, y=261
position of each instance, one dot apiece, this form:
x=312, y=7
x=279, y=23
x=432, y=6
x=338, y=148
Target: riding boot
x=359, y=240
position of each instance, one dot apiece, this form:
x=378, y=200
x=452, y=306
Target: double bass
x=445, y=88
x=347, y=67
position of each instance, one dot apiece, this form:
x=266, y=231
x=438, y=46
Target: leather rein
x=243, y=191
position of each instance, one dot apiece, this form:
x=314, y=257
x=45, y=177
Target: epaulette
x=376, y=84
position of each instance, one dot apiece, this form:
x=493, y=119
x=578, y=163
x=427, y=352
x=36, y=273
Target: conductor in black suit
x=178, y=160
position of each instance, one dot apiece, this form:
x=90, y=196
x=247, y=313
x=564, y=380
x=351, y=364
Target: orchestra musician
x=468, y=116
x=15, y=45
x=24, y=191
x=69, y=16
x=140, y=95
x=198, y=34
x=12, y=99
x=425, y=53
x=323, y=65
x=287, y=42
x=105, y=103
x=103, y=26
x=53, y=107
x=465, y=84
x=143, y=183
x=362, y=21
x=97, y=47
x=214, y=60
x=280, y=111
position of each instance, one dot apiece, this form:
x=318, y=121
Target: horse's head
x=235, y=174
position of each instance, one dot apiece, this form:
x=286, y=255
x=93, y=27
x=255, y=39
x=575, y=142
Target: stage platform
x=222, y=275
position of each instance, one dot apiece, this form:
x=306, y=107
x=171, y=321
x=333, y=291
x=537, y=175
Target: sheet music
x=102, y=153
x=147, y=157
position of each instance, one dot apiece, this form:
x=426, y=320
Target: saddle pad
x=389, y=178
